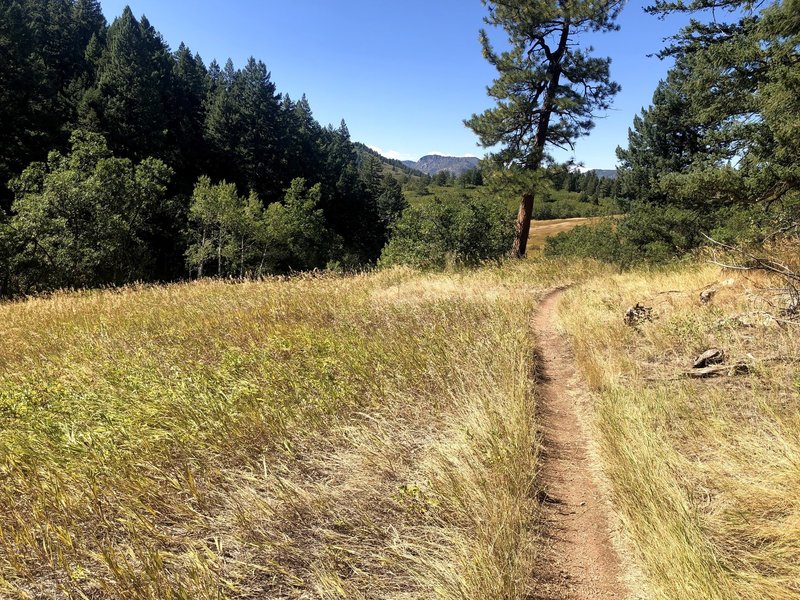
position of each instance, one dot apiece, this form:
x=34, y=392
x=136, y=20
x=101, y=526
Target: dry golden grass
x=320, y=437
x=705, y=473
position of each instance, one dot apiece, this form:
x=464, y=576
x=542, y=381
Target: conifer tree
x=128, y=99
x=743, y=68
x=187, y=117
x=15, y=91
x=302, y=141
x=664, y=139
x=244, y=127
x=548, y=88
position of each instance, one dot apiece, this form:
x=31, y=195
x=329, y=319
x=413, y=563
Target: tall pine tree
x=128, y=101
x=664, y=139
x=548, y=88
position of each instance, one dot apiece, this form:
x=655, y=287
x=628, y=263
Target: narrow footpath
x=579, y=560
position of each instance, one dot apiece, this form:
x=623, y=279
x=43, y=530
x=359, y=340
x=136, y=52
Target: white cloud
x=394, y=154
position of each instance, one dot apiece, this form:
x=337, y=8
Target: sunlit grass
x=706, y=473
x=361, y=437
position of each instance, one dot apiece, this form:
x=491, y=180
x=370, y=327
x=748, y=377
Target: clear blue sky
x=402, y=74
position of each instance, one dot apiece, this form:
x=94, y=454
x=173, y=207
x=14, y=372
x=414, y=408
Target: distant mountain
x=390, y=164
x=434, y=163
x=610, y=173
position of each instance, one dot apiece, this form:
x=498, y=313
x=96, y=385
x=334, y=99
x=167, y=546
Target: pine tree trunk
x=523, y=226
x=526, y=206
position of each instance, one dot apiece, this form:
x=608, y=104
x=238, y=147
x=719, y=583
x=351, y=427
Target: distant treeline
x=122, y=160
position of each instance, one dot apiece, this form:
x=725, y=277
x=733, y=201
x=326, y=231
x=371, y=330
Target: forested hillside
x=122, y=159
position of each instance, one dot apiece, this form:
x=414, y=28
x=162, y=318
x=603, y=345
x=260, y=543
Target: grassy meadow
x=370, y=436
x=375, y=435
x=705, y=473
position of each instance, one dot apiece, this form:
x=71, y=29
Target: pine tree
x=244, y=127
x=302, y=142
x=548, y=89
x=349, y=208
x=741, y=85
x=664, y=139
x=128, y=101
x=16, y=90
x=187, y=117
x=43, y=73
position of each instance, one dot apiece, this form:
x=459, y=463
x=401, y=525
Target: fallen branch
x=759, y=263
x=715, y=371
x=756, y=313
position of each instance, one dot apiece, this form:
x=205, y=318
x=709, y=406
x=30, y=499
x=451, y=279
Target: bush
x=599, y=241
x=462, y=231
x=657, y=234
x=567, y=206
x=647, y=234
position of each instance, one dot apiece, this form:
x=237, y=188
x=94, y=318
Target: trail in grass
x=578, y=559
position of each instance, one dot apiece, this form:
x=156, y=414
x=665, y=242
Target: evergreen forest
x=122, y=160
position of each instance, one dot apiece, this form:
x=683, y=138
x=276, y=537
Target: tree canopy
x=85, y=103
x=723, y=127
x=548, y=88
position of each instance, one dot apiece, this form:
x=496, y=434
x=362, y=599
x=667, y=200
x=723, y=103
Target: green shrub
x=647, y=234
x=563, y=205
x=657, y=234
x=461, y=231
x=598, y=241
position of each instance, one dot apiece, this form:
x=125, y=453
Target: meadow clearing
x=376, y=435
x=370, y=436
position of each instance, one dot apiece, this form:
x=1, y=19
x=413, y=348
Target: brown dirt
x=579, y=559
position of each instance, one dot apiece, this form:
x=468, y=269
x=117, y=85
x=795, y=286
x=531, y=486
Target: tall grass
x=320, y=437
x=706, y=473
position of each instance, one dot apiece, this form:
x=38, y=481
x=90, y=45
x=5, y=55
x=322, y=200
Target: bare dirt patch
x=578, y=558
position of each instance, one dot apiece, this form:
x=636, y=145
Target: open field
x=541, y=230
x=319, y=437
x=705, y=472
x=376, y=436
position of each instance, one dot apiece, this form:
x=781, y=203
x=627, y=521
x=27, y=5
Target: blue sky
x=402, y=74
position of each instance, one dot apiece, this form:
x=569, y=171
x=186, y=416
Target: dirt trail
x=579, y=559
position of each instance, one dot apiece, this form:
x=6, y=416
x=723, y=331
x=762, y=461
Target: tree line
x=123, y=160
x=723, y=128
x=715, y=152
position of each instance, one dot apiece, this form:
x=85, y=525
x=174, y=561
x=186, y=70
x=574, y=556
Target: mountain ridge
x=431, y=164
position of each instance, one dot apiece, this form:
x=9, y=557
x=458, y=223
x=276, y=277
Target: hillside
x=435, y=163
x=391, y=165
x=609, y=173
